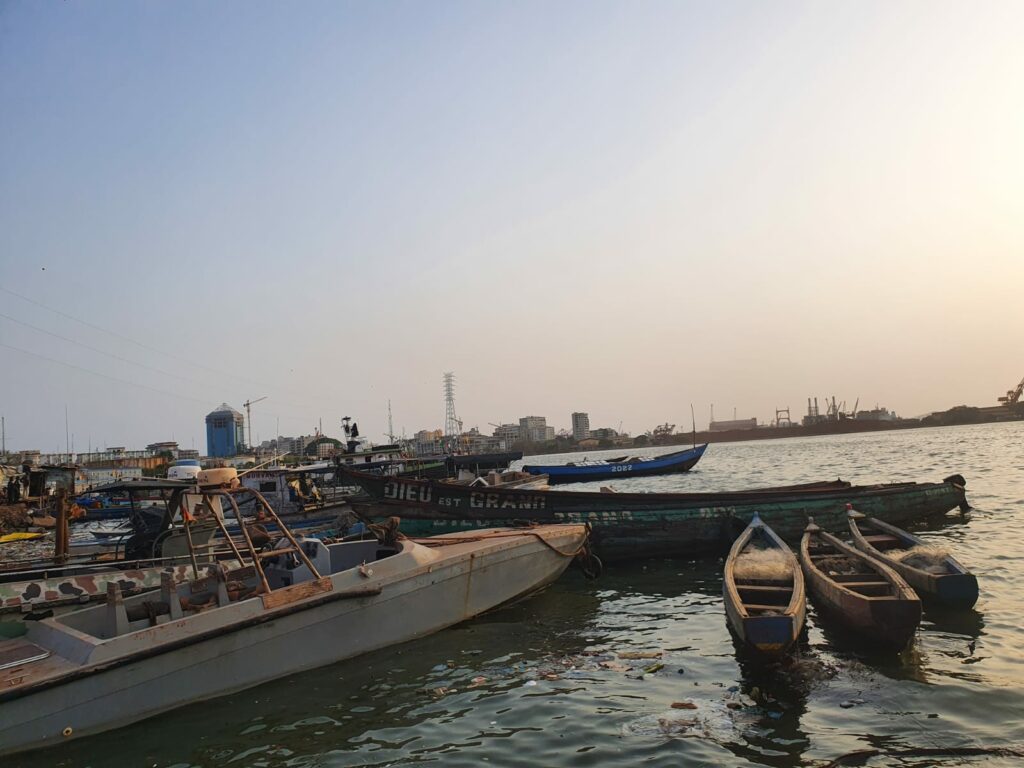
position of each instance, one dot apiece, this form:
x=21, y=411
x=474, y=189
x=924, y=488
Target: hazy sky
x=620, y=208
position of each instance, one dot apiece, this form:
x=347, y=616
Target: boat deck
x=23, y=663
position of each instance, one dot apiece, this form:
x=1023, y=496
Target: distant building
x=876, y=414
x=535, y=429
x=225, y=432
x=102, y=475
x=322, y=447
x=603, y=433
x=168, y=446
x=509, y=433
x=580, y=426
x=730, y=425
x=427, y=442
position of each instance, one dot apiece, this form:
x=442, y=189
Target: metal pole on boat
x=284, y=529
x=188, y=536
x=61, y=534
x=257, y=564
x=223, y=528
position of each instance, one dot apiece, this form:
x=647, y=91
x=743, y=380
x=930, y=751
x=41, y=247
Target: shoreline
x=773, y=433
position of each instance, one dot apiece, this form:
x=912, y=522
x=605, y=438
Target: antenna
x=248, y=414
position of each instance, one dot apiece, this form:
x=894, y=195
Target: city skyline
x=625, y=210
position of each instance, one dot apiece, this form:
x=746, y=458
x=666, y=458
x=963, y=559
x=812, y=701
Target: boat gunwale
x=798, y=590
x=902, y=588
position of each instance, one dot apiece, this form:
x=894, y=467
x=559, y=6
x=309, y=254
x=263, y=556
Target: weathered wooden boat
x=102, y=667
x=629, y=525
x=625, y=466
x=763, y=590
x=944, y=581
x=862, y=592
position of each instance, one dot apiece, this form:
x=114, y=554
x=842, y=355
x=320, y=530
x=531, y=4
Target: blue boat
x=610, y=469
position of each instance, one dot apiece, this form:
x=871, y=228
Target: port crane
x=663, y=430
x=1013, y=396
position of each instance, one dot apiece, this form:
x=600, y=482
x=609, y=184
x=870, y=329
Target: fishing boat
x=298, y=606
x=621, y=467
x=135, y=556
x=863, y=593
x=763, y=590
x=628, y=525
x=937, y=577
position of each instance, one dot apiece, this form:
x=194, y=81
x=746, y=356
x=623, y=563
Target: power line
x=115, y=334
x=126, y=338
x=96, y=350
x=205, y=403
x=104, y=375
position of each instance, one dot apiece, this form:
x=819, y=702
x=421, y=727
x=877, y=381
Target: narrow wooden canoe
x=766, y=610
x=863, y=593
x=954, y=586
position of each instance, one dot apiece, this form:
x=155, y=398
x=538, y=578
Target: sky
x=619, y=208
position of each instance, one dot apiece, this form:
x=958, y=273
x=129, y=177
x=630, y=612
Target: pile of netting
x=925, y=557
x=771, y=564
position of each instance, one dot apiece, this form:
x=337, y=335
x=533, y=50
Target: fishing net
x=924, y=557
x=763, y=564
x=838, y=565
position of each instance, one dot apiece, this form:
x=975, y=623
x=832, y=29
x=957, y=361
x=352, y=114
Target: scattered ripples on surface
x=545, y=682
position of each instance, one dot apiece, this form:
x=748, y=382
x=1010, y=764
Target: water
x=543, y=683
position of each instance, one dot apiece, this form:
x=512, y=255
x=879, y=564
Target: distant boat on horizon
x=613, y=469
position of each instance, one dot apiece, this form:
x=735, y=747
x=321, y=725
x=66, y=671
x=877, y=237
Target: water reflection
x=780, y=690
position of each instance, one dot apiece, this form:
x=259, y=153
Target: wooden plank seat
x=764, y=582
x=883, y=541
x=869, y=588
x=766, y=589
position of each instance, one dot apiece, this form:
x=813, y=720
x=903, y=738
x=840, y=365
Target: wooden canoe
x=765, y=610
x=954, y=586
x=863, y=593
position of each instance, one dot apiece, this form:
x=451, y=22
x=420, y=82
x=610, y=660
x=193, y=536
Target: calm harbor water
x=546, y=683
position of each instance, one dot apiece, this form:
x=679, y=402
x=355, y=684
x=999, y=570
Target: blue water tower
x=225, y=431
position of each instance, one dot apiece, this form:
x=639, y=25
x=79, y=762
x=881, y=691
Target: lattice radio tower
x=452, y=425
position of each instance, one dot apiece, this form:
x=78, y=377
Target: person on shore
x=13, y=491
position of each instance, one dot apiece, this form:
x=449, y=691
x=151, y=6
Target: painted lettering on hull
x=520, y=502
x=399, y=491
x=594, y=517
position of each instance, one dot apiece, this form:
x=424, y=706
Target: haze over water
x=541, y=683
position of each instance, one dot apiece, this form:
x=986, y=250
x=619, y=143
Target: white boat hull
x=165, y=667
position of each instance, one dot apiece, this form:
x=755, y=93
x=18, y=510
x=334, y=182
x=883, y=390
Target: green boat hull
x=658, y=525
